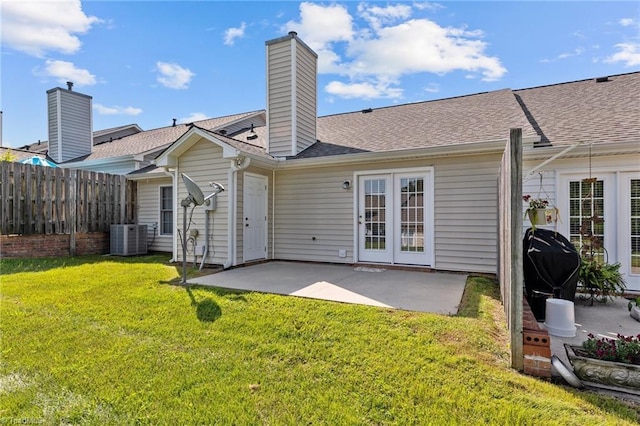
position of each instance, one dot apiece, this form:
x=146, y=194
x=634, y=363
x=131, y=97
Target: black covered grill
x=551, y=265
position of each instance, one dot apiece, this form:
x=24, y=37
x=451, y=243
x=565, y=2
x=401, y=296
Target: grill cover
x=551, y=265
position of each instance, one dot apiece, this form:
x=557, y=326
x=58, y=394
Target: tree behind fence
x=46, y=200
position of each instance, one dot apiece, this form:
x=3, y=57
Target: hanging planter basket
x=544, y=216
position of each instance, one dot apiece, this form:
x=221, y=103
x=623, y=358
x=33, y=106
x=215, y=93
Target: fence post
x=72, y=200
x=515, y=225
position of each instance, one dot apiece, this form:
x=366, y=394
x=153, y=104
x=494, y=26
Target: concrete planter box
x=609, y=375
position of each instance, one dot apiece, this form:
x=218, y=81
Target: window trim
x=161, y=210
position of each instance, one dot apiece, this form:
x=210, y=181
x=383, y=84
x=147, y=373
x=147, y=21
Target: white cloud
x=576, y=52
x=421, y=45
x=364, y=90
x=116, y=110
x=432, y=88
x=628, y=53
x=65, y=71
x=195, y=116
x=322, y=25
x=377, y=16
x=173, y=76
x=37, y=27
x=626, y=22
x=390, y=45
x=231, y=34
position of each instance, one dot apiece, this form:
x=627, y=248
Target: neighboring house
x=412, y=184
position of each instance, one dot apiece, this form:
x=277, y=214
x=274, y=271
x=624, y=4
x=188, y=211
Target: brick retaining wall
x=536, y=348
x=53, y=245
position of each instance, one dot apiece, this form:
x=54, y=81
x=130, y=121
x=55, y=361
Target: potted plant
x=606, y=362
x=539, y=211
x=634, y=308
x=601, y=278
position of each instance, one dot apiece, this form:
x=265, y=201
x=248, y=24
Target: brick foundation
x=536, y=348
x=53, y=245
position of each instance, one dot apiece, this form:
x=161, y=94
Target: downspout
x=174, y=187
x=273, y=214
x=205, y=251
x=237, y=164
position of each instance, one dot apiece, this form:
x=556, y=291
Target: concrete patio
x=434, y=292
x=608, y=318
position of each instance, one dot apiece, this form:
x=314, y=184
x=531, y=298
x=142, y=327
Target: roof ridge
x=575, y=81
x=417, y=102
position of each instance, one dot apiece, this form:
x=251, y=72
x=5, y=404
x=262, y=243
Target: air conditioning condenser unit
x=128, y=240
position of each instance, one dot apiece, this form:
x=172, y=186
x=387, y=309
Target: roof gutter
x=581, y=149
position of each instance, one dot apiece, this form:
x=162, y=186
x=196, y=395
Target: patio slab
x=434, y=292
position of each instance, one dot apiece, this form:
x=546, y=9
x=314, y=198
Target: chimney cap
x=69, y=85
x=293, y=33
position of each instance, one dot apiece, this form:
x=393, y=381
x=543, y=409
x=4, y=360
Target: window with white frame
x=166, y=210
x=586, y=212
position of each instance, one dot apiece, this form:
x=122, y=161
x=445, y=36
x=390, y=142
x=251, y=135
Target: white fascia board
x=486, y=147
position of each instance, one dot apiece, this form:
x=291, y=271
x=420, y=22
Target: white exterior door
x=254, y=202
x=629, y=229
x=395, y=217
x=375, y=218
x=615, y=197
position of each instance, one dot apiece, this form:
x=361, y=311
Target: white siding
x=149, y=213
x=306, y=109
x=279, y=90
x=311, y=203
x=466, y=213
x=291, y=96
x=203, y=163
x=70, y=124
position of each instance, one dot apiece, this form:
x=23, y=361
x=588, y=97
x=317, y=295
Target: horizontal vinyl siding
x=313, y=204
x=203, y=163
x=75, y=122
x=149, y=212
x=305, y=99
x=53, y=119
x=279, y=89
x=466, y=213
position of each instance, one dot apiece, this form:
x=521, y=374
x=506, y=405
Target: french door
x=614, y=197
x=395, y=215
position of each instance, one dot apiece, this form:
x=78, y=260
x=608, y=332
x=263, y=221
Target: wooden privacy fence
x=510, y=273
x=46, y=200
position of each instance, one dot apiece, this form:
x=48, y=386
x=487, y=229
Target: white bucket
x=560, y=318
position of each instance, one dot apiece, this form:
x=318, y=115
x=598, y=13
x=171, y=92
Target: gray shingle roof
x=453, y=121
x=559, y=114
x=155, y=138
x=586, y=111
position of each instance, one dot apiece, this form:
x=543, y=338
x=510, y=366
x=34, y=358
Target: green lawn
x=103, y=340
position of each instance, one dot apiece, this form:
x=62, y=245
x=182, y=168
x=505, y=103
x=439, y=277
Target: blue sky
x=148, y=62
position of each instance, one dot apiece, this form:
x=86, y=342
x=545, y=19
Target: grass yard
x=103, y=340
